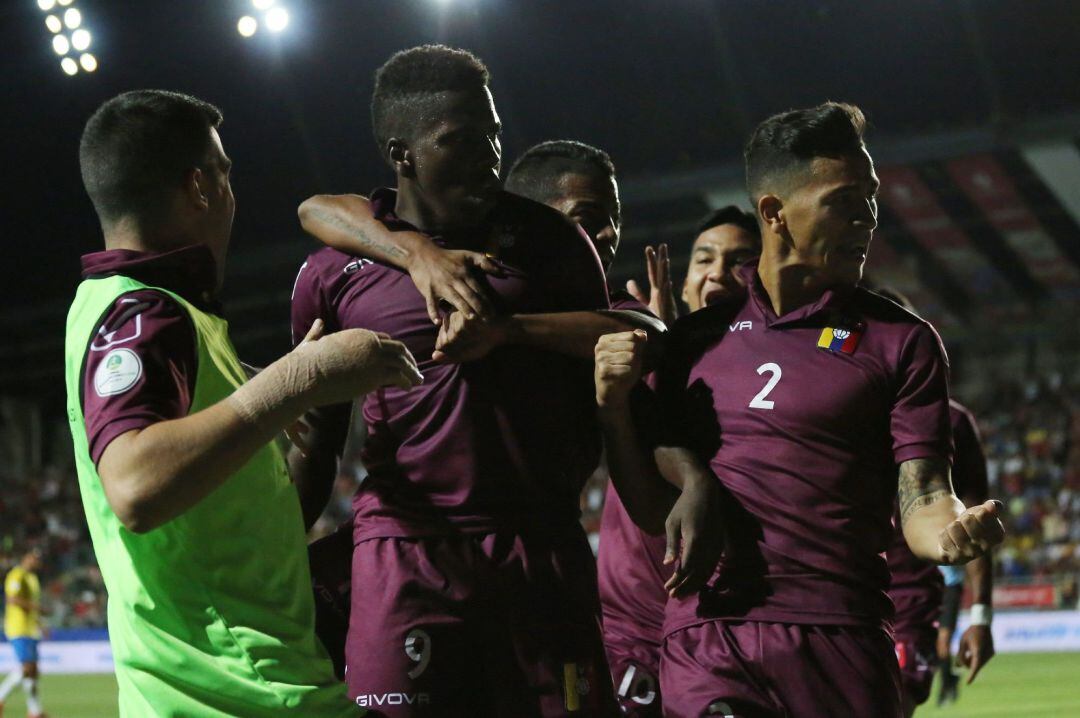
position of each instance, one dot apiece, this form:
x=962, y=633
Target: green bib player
x=195, y=523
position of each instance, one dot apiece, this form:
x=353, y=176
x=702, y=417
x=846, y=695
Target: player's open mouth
x=714, y=295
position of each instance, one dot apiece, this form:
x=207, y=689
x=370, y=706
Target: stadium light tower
x=70, y=39
x=269, y=14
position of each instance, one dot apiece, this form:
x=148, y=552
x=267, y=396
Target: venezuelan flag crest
x=839, y=340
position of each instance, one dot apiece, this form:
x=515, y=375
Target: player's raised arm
x=155, y=474
x=346, y=223
x=685, y=507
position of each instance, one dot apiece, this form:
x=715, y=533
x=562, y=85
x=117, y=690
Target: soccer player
x=803, y=399
x=630, y=561
x=195, y=523
x=579, y=181
x=22, y=626
x=916, y=587
x=474, y=588
x=725, y=238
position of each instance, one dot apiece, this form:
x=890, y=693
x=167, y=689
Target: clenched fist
x=619, y=358
x=972, y=534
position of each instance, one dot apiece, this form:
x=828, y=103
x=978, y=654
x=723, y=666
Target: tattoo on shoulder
x=360, y=235
x=922, y=482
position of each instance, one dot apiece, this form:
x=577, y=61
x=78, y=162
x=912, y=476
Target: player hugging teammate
x=757, y=449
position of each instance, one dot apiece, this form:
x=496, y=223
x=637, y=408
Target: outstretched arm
x=936, y=525
x=346, y=223
x=571, y=333
x=152, y=475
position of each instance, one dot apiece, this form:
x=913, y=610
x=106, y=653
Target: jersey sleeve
x=309, y=303
x=919, y=419
x=623, y=300
x=969, y=465
x=140, y=368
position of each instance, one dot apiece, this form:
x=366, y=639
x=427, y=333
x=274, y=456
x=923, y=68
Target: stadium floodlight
x=247, y=26
x=277, y=19
x=53, y=23
x=88, y=62
x=61, y=44
x=80, y=39
x=69, y=66
x=46, y=5
x=262, y=4
x=72, y=17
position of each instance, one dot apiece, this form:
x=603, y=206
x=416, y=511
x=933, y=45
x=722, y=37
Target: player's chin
x=846, y=270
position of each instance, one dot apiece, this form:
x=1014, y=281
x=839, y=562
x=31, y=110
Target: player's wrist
x=278, y=394
x=419, y=252
x=981, y=614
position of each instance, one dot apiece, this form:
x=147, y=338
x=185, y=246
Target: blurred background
x=974, y=108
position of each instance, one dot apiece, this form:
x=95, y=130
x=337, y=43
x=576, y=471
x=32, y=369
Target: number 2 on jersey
x=759, y=401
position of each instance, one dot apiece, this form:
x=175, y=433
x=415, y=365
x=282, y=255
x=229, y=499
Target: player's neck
x=788, y=283
x=130, y=234
x=411, y=206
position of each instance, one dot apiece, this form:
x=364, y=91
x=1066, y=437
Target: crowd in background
x=44, y=509
x=1031, y=434
x=1030, y=431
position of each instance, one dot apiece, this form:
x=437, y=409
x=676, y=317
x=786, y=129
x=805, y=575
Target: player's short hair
x=411, y=78
x=732, y=214
x=786, y=143
x=537, y=172
x=136, y=148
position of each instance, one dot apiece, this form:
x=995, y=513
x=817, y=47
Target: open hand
x=449, y=275
x=975, y=650
x=694, y=537
x=661, y=300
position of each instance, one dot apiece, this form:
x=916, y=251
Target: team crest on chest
x=841, y=339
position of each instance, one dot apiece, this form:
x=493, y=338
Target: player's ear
x=770, y=210
x=400, y=156
x=195, y=188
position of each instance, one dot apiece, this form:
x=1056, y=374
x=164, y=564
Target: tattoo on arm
x=922, y=482
x=360, y=235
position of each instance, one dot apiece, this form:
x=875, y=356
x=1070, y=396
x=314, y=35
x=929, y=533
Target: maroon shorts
x=754, y=669
x=331, y=566
x=635, y=670
x=916, y=652
x=477, y=625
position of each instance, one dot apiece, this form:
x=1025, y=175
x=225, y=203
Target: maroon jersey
x=510, y=438
x=150, y=324
x=804, y=419
x=916, y=586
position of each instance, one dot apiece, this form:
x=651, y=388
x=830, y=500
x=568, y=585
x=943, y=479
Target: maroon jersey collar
x=833, y=301
x=190, y=271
